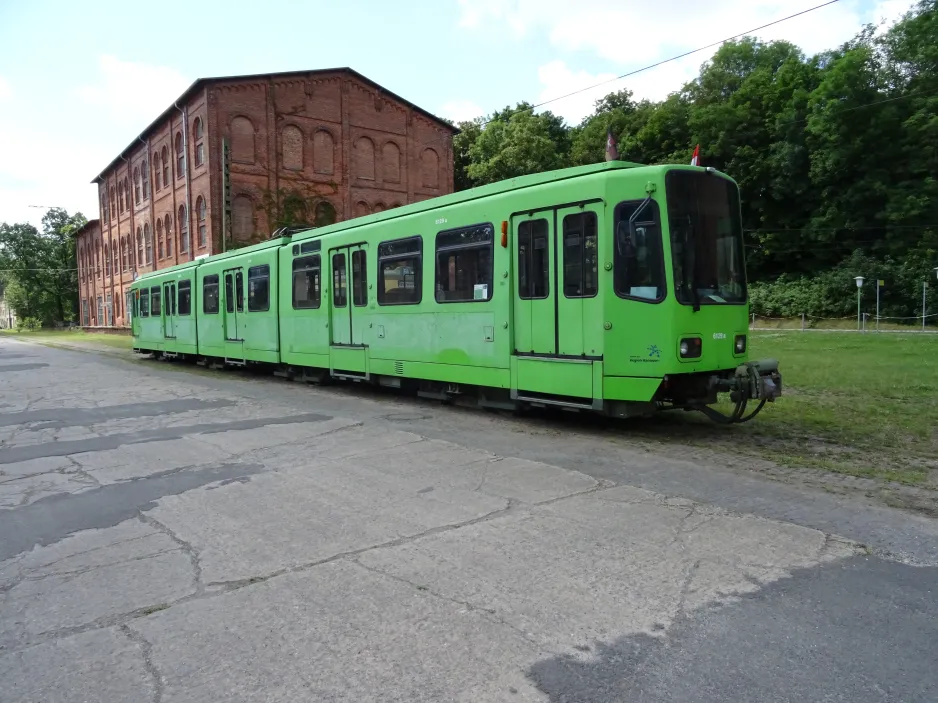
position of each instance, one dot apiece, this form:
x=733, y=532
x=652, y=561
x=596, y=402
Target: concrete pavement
x=173, y=535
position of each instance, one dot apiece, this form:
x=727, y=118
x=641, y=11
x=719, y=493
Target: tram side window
x=580, y=255
x=155, y=301
x=306, y=282
x=144, y=303
x=259, y=288
x=400, y=278
x=533, y=263
x=464, y=264
x=638, y=258
x=359, y=278
x=210, y=294
x=184, y=291
x=339, y=282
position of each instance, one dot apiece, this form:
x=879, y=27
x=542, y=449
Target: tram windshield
x=706, y=239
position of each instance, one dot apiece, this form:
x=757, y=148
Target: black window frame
x=259, y=273
x=389, y=253
x=467, y=247
x=360, y=282
x=527, y=261
x=156, y=295
x=618, y=255
x=239, y=289
x=144, y=302
x=302, y=265
x=184, y=285
x=208, y=283
x=563, y=254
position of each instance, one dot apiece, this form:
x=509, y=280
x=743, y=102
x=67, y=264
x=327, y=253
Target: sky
x=79, y=81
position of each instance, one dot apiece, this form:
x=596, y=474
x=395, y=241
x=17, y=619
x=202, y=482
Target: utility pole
x=924, y=288
x=879, y=284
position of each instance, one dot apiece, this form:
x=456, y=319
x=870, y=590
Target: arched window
x=242, y=140
x=363, y=159
x=139, y=246
x=183, y=223
x=127, y=193
x=391, y=163
x=169, y=235
x=156, y=170
x=242, y=226
x=103, y=208
x=291, y=148
x=145, y=174
x=120, y=197
x=113, y=207
x=361, y=209
x=107, y=260
x=136, y=185
x=125, y=258
x=199, y=132
x=159, y=238
x=430, y=169
x=164, y=155
x=200, y=211
x=325, y=214
x=147, y=243
x=323, y=152
x=380, y=207
x=180, y=156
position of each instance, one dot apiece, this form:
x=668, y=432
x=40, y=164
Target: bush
x=834, y=293
x=28, y=324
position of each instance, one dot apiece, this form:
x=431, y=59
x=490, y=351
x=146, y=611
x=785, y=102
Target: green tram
x=615, y=287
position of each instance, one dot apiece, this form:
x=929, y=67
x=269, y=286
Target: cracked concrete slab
x=584, y=568
x=338, y=633
x=102, y=666
x=28, y=489
x=87, y=581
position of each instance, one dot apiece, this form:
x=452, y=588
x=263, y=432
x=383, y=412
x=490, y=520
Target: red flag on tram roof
x=695, y=160
x=612, y=150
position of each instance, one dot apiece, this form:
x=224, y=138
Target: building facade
x=235, y=158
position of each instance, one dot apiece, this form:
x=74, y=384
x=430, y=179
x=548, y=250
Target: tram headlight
x=740, y=343
x=690, y=348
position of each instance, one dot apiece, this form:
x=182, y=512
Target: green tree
x=41, y=268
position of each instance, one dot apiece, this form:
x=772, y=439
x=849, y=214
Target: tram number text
x=719, y=335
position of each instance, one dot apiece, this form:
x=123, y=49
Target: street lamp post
x=859, y=280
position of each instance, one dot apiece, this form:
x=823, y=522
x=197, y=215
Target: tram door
x=349, y=300
x=169, y=310
x=234, y=312
x=557, y=306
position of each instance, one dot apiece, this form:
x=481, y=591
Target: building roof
x=203, y=82
x=85, y=227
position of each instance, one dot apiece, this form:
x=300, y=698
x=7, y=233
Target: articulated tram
x=615, y=288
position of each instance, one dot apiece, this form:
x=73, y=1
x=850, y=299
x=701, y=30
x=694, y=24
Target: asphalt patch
x=782, y=643
x=21, y=367
x=70, y=417
x=27, y=452
x=55, y=517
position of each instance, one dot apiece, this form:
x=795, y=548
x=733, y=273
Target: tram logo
x=654, y=351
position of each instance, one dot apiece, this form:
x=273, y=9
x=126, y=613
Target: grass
x=859, y=404
x=77, y=337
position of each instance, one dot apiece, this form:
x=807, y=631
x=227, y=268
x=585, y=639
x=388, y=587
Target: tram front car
x=706, y=308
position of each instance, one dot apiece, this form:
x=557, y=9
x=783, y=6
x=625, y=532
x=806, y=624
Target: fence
x=867, y=323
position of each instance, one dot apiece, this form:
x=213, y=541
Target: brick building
x=235, y=157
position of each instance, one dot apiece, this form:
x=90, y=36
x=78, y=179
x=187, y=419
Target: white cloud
x=132, y=93
x=632, y=33
x=558, y=80
x=51, y=163
x=460, y=110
